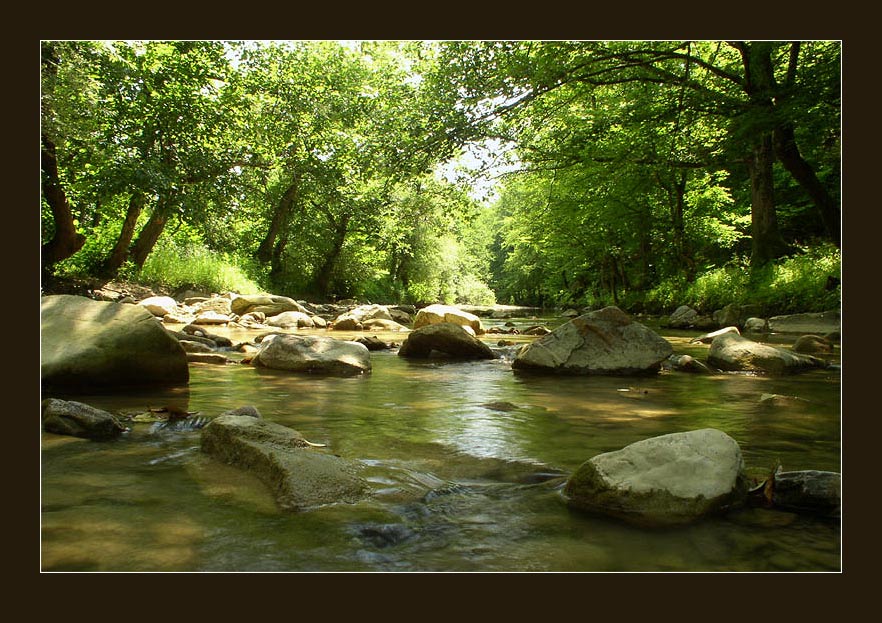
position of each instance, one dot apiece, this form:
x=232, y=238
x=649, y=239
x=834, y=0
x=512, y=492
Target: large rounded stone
x=436, y=314
x=447, y=338
x=88, y=344
x=600, y=342
x=733, y=352
x=664, y=480
x=316, y=354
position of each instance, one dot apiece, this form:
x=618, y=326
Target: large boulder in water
x=299, y=475
x=436, y=314
x=88, y=344
x=733, y=352
x=317, y=354
x=268, y=304
x=666, y=480
x=600, y=342
x=447, y=338
x=78, y=419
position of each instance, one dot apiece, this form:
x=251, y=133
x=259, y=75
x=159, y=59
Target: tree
x=730, y=86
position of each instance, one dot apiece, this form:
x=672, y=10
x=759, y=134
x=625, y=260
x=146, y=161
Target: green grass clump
x=789, y=285
x=174, y=264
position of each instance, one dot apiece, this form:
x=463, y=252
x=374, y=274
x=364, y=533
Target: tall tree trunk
x=767, y=242
x=281, y=216
x=65, y=241
x=323, y=275
x=150, y=233
x=120, y=250
x=277, y=265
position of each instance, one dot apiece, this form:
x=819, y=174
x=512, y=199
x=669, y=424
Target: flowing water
x=465, y=460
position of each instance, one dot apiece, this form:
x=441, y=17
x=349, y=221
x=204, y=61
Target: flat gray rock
x=299, y=475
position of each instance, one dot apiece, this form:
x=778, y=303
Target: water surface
x=461, y=457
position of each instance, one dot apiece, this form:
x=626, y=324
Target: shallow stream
x=465, y=459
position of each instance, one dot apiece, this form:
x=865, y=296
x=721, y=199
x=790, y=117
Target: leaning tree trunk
x=788, y=153
x=150, y=233
x=281, y=216
x=120, y=250
x=65, y=241
x=323, y=275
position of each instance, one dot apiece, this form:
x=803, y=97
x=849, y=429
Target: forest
x=644, y=174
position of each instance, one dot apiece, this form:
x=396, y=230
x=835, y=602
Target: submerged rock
x=88, y=344
x=78, y=419
x=600, y=342
x=446, y=338
x=315, y=354
x=671, y=479
x=734, y=352
x=298, y=475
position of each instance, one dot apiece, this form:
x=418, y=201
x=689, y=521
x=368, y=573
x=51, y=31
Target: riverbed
x=465, y=461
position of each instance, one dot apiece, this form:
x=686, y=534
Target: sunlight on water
x=464, y=460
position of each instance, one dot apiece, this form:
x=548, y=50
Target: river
x=461, y=457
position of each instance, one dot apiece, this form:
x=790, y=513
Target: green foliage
x=175, y=263
x=790, y=285
x=308, y=167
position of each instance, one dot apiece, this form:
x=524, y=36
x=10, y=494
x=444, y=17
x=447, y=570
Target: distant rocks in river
x=810, y=323
x=666, y=480
x=683, y=317
x=88, y=344
x=268, y=304
x=605, y=341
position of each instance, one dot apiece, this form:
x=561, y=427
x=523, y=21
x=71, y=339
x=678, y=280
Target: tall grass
x=790, y=285
x=174, y=264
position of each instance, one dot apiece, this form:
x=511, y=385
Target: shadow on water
x=465, y=461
